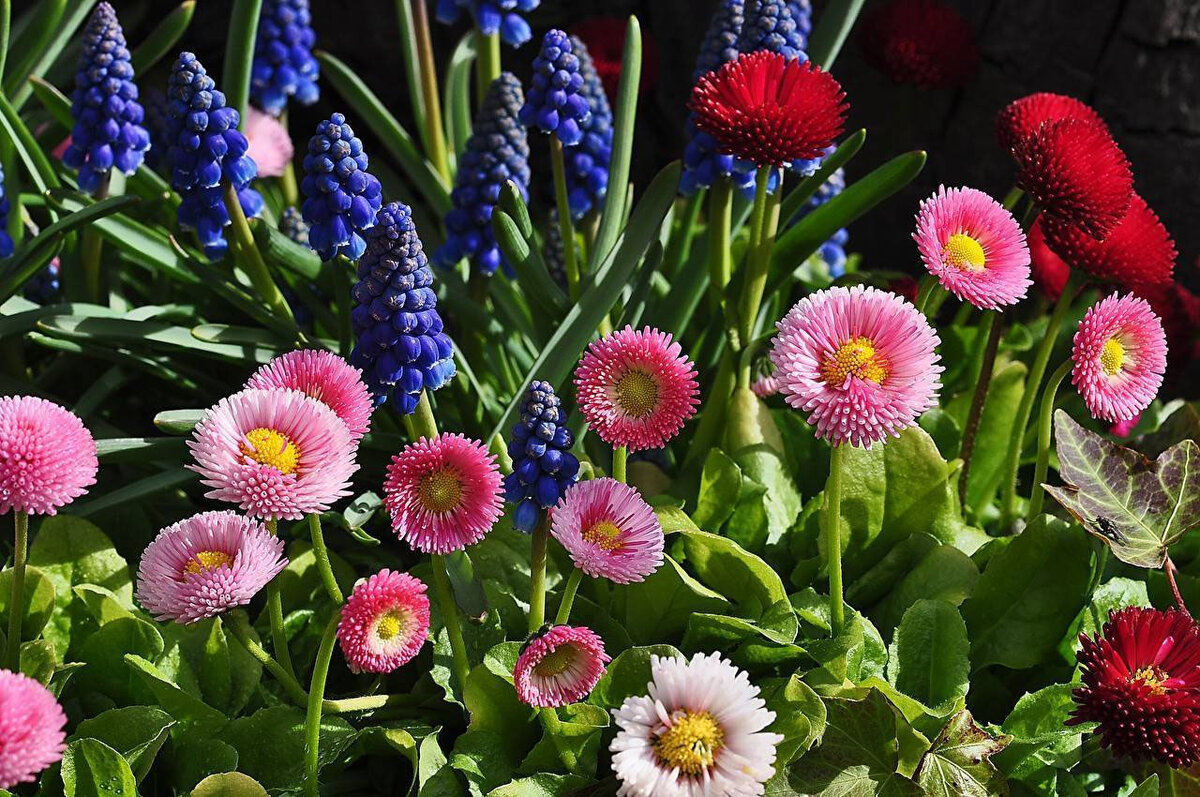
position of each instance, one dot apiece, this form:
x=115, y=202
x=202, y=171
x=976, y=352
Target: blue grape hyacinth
x=833, y=251
x=207, y=151
x=108, y=132
x=497, y=152
x=587, y=164
x=6, y=241
x=341, y=196
x=284, y=65
x=769, y=25
x=555, y=102
x=45, y=285
x=492, y=16
x=400, y=347
x=543, y=465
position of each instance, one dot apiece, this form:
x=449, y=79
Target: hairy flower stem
x=565, y=228
x=554, y=729
x=435, y=136
x=316, y=698
x=16, y=603
x=620, y=468
x=833, y=538
x=322, y=556
x=537, y=577
x=251, y=260
x=1169, y=570
x=720, y=225
x=568, y=598
x=1045, y=426
x=90, y=251
x=764, y=222
x=239, y=625
x=995, y=326
x=275, y=615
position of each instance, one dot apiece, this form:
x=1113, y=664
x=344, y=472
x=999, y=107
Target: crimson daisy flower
x=768, y=110
x=1050, y=272
x=1022, y=118
x=922, y=42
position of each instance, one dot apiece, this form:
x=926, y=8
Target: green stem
x=445, y=596
x=16, y=603
x=763, y=224
x=343, y=284
x=537, y=574
x=252, y=260
x=928, y=289
x=240, y=626
x=568, y=598
x=275, y=615
x=620, y=463
x=712, y=420
x=312, y=717
x=1169, y=570
x=995, y=326
x=435, y=133
x=487, y=62
x=680, y=244
x=554, y=729
x=5, y=26
x=322, y=556
x=1045, y=426
x=833, y=538
x=565, y=228
x=422, y=420
x=287, y=181
x=89, y=256
x=720, y=226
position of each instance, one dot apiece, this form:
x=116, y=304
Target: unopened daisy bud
x=1120, y=356
x=284, y=65
x=47, y=456
x=555, y=103
x=385, y=622
x=559, y=666
x=925, y=43
x=325, y=377
x=543, y=465
x=341, y=196
x=32, y=735
x=609, y=531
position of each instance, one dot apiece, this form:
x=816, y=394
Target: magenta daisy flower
x=324, y=376
x=206, y=565
x=860, y=361
x=384, y=623
x=274, y=453
x=765, y=386
x=1120, y=356
x=974, y=247
x=559, y=666
x=47, y=456
x=268, y=143
x=608, y=530
x=31, y=729
x=636, y=388
x=443, y=494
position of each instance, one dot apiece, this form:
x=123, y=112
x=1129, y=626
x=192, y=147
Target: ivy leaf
x=1139, y=508
x=959, y=762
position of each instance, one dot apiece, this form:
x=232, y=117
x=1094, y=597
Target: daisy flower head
x=1050, y=272
x=206, y=565
x=31, y=729
x=277, y=454
x=974, y=247
x=384, y=623
x=268, y=143
x=324, y=376
x=861, y=361
x=1120, y=356
x=608, y=530
x=47, y=456
x=636, y=388
x=1021, y=118
x=925, y=43
x=559, y=666
x=443, y=494
x=700, y=732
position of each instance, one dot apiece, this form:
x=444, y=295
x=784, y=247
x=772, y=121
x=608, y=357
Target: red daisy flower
x=1021, y=118
x=605, y=40
x=1179, y=310
x=1050, y=272
x=769, y=110
x=1075, y=171
x=922, y=42
x=1138, y=251
x=1141, y=683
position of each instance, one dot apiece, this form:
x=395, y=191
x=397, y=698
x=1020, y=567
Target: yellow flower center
x=207, y=560
x=271, y=448
x=1152, y=677
x=556, y=662
x=964, y=252
x=391, y=625
x=441, y=490
x=637, y=392
x=605, y=534
x=1112, y=356
x=855, y=357
x=691, y=743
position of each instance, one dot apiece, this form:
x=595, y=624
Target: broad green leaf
x=959, y=762
x=229, y=784
x=930, y=656
x=1114, y=594
x=1040, y=735
x=1147, y=788
x=37, y=606
x=856, y=655
x=279, y=764
x=944, y=574
x=720, y=483
x=659, y=607
x=543, y=784
x=162, y=39
x=628, y=675
x=995, y=426
x=190, y=712
x=577, y=735
x=196, y=755
x=1137, y=507
x=90, y=768
x=239, y=54
x=38, y=660
x=136, y=732
x=203, y=661
x=800, y=717
x=104, y=653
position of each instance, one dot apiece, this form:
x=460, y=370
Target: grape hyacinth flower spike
x=587, y=163
x=543, y=465
x=492, y=17
x=6, y=241
x=284, y=65
x=555, y=103
x=341, y=196
x=769, y=25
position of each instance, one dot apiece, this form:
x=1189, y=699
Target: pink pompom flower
x=206, y=565
x=636, y=388
x=1120, y=356
x=974, y=247
x=274, y=453
x=324, y=376
x=47, y=456
x=31, y=729
x=861, y=362
x=269, y=143
x=765, y=386
x=384, y=623
x=443, y=494
x=559, y=667
x=608, y=530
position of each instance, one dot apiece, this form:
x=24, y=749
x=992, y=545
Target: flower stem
x=16, y=603
x=764, y=221
x=252, y=260
x=537, y=574
x=995, y=325
x=620, y=463
x=1045, y=425
x=1012, y=197
x=720, y=224
x=316, y=698
x=287, y=180
x=713, y=418
x=487, y=61
x=240, y=626
x=929, y=287
x=833, y=538
x=565, y=227
x=435, y=135
x=554, y=728
x=1169, y=570
x=445, y=596
x=322, y=555
x=275, y=615
x=90, y=252
x=421, y=421
x=568, y=598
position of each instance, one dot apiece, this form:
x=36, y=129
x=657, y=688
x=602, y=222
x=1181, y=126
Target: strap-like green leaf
x=47, y=51
x=32, y=34
x=804, y=191
x=456, y=97
x=831, y=31
x=163, y=38
x=239, y=55
x=36, y=164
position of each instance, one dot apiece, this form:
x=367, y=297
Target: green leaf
x=104, y=653
x=284, y=253
x=141, y=243
x=27, y=44
x=720, y=483
x=195, y=756
x=930, y=656
x=944, y=574
x=628, y=675
x=201, y=660
x=229, y=784
x=190, y=712
x=800, y=717
x=1040, y=735
x=544, y=784
x=90, y=768
x=163, y=38
x=239, y=55
x=806, y=188
x=1117, y=593
x=959, y=762
x=659, y=607
x=525, y=258
x=136, y=732
x=38, y=604
x=1138, y=508
x=178, y=422
x=37, y=165
x=457, y=93
x=39, y=661
x=279, y=764
x=831, y=30
x=995, y=427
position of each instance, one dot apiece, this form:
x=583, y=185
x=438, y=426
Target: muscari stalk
x=16, y=603
x=720, y=224
x=1045, y=425
x=487, y=61
x=251, y=259
x=537, y=574
x=566, y=228
x=435, y=135
x=764, y=221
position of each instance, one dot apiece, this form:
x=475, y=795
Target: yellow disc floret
x=391, y=624
x=1152, y=678
x=556, y=661
x=441, y=490
x=691, y=743
x=1112, y=356
x=605, y=534
x=271, y=448
x=964, y=252
x=208, y=560
x=856, y=357
x=636, y=392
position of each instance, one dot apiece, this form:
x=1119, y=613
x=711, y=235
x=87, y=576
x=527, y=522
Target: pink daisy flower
x=1120, y=356
x=766, y=386
x=443, y=494
x=31, y=729
x=608, y=530
x=1124, y=428
x=559, y=667
x=700, y=732
x=269, y=143
x=47, y=456
x=324, y=376
x=384, y=623
x=206, y=565
x=274, y=453
x=974, y=247
x=860, y=361
x=636, y=388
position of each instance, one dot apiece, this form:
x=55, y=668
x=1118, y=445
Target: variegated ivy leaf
x=958, y=763
x=1137, y=506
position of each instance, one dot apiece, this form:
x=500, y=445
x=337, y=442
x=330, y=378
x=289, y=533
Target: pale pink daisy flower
x=274, y=453
x=47, y=456
x=860, y=361
x=974, y=247
x=1120, y=356
x=269, y=143
x=31, y=729
x=384, y=622
x=766, y=386
x=636, y=388
x=206, y=565
x=443, y=494
x=608, y=530
x=324, y=376
x=699, y=733
x=559, y=667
